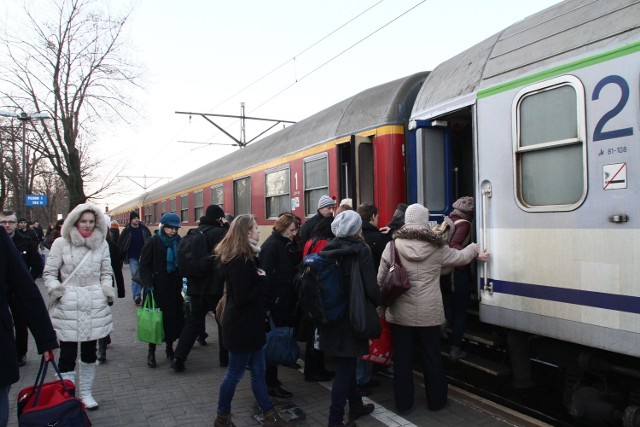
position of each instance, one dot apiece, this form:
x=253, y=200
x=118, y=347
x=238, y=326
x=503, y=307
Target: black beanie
x=215, y=212
x=133, y=215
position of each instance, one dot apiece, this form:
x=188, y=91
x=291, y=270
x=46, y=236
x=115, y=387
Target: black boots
x=151, y=356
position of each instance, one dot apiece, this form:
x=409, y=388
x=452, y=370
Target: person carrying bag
x=150, y=322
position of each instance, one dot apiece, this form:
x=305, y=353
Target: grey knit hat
x=417, y=214
x=347, y=223
x=325, y=201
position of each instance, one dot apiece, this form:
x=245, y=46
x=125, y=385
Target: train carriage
x=354, y=149
x=541, y=124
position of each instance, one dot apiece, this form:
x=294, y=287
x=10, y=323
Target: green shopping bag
x=150, y=327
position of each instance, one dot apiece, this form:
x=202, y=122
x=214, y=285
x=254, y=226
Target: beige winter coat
x=422, y=254
x=79, y=310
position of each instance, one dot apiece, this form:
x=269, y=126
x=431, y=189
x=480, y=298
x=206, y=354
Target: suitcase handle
x=42, y=373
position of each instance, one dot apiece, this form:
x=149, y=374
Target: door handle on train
x=487, y=192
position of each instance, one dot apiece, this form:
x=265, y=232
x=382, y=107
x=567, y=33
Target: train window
x=198, y=205
x=163, y=207
x=217, y=196
x=431, y=147
x=155, y=212
x=277, y=192
x=549, y=146
x=172, y=209
x=316, y=182
x=148, y=218
x=184, y=208
x=242, y=196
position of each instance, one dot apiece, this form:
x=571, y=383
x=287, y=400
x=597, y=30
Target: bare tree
x=74, y=66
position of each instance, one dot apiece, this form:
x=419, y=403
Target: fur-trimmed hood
x=417, y=232
x=70, y=231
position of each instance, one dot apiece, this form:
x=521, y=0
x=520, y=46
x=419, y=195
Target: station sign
x=36, y=200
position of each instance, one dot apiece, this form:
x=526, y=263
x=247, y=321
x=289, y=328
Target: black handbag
x=50, y=404
x=396, y=281
x=365, y=322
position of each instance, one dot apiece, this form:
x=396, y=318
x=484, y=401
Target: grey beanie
x=417, y=214
x=346, y=224
x=325, y=201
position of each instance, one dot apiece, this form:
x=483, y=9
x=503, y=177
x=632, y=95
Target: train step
x=480, y=363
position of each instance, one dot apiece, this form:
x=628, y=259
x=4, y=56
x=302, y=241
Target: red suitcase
x=52, y=403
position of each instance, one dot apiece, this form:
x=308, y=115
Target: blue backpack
x=321, y=295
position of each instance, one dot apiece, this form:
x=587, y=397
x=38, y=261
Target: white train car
x=541, y=122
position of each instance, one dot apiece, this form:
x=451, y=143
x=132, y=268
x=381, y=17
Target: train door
x=355, y=160
x=441, y=162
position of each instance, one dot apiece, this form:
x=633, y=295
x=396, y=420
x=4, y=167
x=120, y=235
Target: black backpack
x=194, y=259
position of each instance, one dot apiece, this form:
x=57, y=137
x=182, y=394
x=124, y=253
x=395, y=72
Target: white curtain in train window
x=277, y=193
x=242, y=196
x=316, y=182
x=217, y=195
x=550, y=157
x=198, y=204
x=184, y=208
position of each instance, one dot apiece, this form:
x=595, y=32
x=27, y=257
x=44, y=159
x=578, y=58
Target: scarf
x=85, y=235
x=464, y=215
x=172, y=250
x=254, y=246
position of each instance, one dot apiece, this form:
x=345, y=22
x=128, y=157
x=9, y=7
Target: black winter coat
x=124, y=241
x=210, y=284
x=28, y=249
x=167, y=287
x=376, y=240
x=307, y=227
x=276, y=260
x=116, y=266
x=15, y=279
x=243, y=322
x=338, y=339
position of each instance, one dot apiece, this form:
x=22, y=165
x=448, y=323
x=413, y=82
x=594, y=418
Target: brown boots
x=223, y=421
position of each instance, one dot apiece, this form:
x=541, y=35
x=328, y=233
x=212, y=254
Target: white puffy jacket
x=79, y=310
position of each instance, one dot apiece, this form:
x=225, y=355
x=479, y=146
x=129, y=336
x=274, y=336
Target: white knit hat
x=416, y=214
x=347, y=223
x=325, y=201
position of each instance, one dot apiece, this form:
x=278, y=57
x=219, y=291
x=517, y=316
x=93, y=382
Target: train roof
x=386, y=104
x=555, y=35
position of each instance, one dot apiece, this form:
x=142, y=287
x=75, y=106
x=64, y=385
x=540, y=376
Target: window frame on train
x=173, y=206
x=238, y=204
x=314, y=188
x=549, y=145
x=163, y=208
x=184, y=207
x=217, y=195
x=277, y=191
x=156, y=216
x=198, y=204
x=148, y=214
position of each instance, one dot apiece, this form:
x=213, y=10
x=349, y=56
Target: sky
x=285, y=59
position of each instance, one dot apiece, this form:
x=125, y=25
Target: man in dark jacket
x=372, y=236
x=16, y=280
x=132, y=239
x=325, y=209
x=204, y=292
x=28, y=249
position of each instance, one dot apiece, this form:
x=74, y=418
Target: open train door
x=355, y=159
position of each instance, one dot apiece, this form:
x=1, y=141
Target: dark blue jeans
x=457, y=298
x=427, y=340
x=237, y=365
x=344, y=388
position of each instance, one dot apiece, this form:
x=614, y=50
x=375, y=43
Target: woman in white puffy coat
x=78, y=277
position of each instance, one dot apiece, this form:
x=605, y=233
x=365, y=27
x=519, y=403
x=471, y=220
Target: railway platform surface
x=132, y=394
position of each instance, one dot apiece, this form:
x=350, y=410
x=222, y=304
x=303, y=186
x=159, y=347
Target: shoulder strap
x=75, y=270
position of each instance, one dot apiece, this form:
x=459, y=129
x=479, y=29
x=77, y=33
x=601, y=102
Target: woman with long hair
x=243, y=320
x=78, y=277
